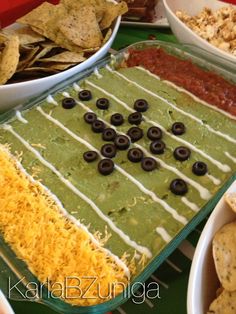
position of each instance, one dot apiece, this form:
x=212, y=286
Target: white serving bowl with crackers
x=52, y=43
x=207, y=42
x=209, y=273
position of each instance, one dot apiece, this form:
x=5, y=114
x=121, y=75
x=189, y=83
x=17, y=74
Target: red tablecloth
x=10, y=10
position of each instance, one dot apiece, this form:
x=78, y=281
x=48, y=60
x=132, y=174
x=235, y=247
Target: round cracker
x=9, y=58
x=224, y=253
x=225, y=303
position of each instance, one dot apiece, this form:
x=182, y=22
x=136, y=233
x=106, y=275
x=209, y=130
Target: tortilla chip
x=107, y=36
x=224, y=254
x=82, y=28
x=112, y=12
x=39, y=17
x=58, y=66
x=224, y=304
x=9, y=58
x=46, y=49
x=26, y=35
x=26, y=55
x=37, y=69
x=66, y=57
x=99, y=5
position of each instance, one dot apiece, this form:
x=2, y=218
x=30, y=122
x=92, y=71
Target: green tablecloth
x=172, y=276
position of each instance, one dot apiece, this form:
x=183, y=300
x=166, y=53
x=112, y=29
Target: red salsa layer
x=206, y=85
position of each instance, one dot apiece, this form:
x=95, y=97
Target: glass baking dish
x=17, y=269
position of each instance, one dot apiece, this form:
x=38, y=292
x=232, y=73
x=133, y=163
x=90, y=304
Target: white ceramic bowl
x=203, y=281
x=16, y=94
x=185, y=35
x=5, y=307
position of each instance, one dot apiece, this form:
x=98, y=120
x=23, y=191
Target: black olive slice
x=90, y=156
x=106, y=166
x=122, y=142
x=178, y=187
x=117, y=119
x=109, y=134
x=182, y=153
x=68, y=103
x=141, y=105
x=90, y=117
x=135, y=118
x=154, y=133
x=135, y=134
x=98, y=126
x=199, y=168
x=148, y=164
x=178, y=128
x=135, y=154
x=157, y=147
x=102, y=103
x=85, y=95
x=108, y=150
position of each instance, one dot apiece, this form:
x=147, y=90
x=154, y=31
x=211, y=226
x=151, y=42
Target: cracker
x=230, y=199
x=225, y=303
x=224, y=254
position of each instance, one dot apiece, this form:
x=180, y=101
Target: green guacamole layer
x=210, y=135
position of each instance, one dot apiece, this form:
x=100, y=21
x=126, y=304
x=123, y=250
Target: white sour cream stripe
x=51, y=100
x=230, y=157
x=227, y=114
x=191, y=116
x=125, y=237
x=193, y=206
x=204, y=193
x=169, y=209
x=222, y=167
x=213, y=179
x=65, y=213
x=165, y=236
x=20, y=118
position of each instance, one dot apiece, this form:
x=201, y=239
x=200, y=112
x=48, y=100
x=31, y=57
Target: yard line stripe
x=175, y=267
x=187, y=249
x=163, y=284
x=164, y=234
x=230, y=157
x=120, y=310
x=223, y=167
x=20, y=118
x=146, y=300
x=125, y=237
x=193, y=206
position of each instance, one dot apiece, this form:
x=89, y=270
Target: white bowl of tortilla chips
x=53, y=42
x=212, y=281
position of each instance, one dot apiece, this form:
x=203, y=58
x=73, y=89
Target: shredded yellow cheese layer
x=54, y=248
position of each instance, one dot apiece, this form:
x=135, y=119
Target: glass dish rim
x=185, y=51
